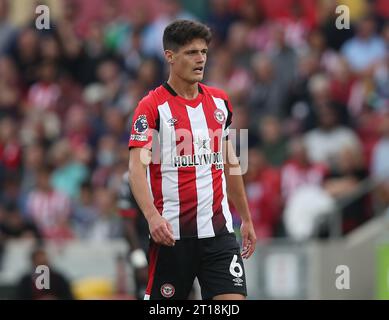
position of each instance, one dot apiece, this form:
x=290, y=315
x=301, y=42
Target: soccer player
x=182, y=168
x=136, y=233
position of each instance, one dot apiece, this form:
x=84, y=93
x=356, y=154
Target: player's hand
x=161, y=231
x=249, y=239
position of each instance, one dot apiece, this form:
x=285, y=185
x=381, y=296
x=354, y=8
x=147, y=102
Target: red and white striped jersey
x=186, y=175
x=49, y=210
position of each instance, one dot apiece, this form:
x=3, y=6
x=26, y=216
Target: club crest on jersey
x=167, y=290
x=141, y=124
x=219, y=116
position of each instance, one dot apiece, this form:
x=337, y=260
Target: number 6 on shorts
x=235, y=265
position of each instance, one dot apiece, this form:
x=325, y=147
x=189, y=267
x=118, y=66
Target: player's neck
x=183, y=89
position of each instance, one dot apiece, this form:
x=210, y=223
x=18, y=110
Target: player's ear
x=169, y=56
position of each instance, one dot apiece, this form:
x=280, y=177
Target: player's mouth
x=198, y=70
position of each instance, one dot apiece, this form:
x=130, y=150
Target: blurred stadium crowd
x=315, y=100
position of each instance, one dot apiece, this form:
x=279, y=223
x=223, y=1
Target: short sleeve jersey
x=186, y=175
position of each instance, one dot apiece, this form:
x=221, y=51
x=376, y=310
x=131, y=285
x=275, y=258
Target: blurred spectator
x=69, y=27
x=42, y=127
x=85, y=211
x=298, y=23
x=273, y=142
x=70, y=93
x=291, y=9
x=224, y=73
x=238, y=45
x=380, y=102
x=50, y=50
x=367, y=128
x=298, y=171
x=199, y=8
x=381, y=11
x=366, y=48
x=106, y=158
x=69, y=173
x=7, y=30
x=128, y=101
x=10, y=88
x=136, y=233
x=307, y=213
x=10, y=188
x=33, y=159
x=108, y=224
x=93, y=54
x=132, y=52
x=2, y=236
x=135, y=24
x=10, y=148
x=320, y=95
x=148, y=74
x=266, y=96
x=43, y=95
x=26, y=55
x=334, y=36
x=385, y=34
x=357, y=8
x=343, y=89
x=14, y=226
x=49, y=209
x=112, y=79
x=252, y=14
x=116, y=125
x=219, y=19
x=114, y=23
x=298, y=109
x=343, y=181
x=325, y=142
x=239, y=128
x=76, y=127
x=317, y=44
x=170, y=10
x=380, y=164
x=262, y=184
x=284, y=58
x=59, y=286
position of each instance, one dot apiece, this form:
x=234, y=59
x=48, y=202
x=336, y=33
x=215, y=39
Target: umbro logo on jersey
x=171, y=122
x=141, y=125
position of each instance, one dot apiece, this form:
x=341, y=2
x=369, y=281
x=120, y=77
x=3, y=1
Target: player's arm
x=160, y=229
x=236, y=193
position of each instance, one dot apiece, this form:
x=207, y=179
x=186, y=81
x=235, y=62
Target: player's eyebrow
x=190, y=51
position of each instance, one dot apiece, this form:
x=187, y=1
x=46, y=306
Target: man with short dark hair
x=182, y=186
x=59, y=287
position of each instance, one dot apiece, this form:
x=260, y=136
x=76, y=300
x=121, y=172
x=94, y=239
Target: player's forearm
x=236, y=193
x=141, y=190
x=235, y=187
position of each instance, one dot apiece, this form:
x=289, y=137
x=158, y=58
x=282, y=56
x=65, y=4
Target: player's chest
x=185, y=120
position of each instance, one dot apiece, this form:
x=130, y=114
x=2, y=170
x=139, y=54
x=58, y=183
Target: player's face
x=188, y=62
